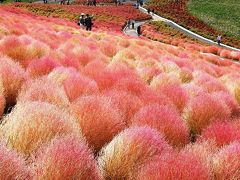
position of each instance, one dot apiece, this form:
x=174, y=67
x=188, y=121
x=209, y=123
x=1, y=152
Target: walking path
x=174, y=25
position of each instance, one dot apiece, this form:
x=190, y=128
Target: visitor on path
x=141, y=2
x=152, y=11
x=133, y=23
x=149, y=10
x=219, y=40
x=139, y=30
x=129, y=23
x=82, y=21
x=88, y=23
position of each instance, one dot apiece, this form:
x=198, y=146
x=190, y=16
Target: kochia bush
x=166, y=120
x=43, y=90
x=99, y=119
x=131, y=149
x=12, y=166
x=65, y=158
x=31, y=124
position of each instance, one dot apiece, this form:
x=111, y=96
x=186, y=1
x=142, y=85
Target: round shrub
x=226, y=163
x=130, y=150
x=30, y=124
x=73, y=82
x=203, y=110
x=43, y=90
x=12, y=166
x=65, y=158
x=12, y=77
x=223, y=133
x=99, y=119
x=127, y=103
x=185, y=166
x=166, y=120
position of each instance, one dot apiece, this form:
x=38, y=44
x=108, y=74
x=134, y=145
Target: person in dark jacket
x=139, y=30
x=88, y=23
x=133, y=24
x=149, y=10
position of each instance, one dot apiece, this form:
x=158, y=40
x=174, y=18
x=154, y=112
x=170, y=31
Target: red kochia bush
x=127, y=103
x=165, y=119
x=223, y=133
x=230, y=101
x=12, y=166
x=227, y=162
x=176, y=94
x=40, y=67
x=73, y=82
x=204, y=109
x=131, y=149
x=133, y=86
x=99, y=119
x=31, y=124
x=185, y=166
x=66, y=158
x=12, y=77
x=43, y=90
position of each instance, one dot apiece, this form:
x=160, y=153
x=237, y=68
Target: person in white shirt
x=82, y=21
x=219, y=39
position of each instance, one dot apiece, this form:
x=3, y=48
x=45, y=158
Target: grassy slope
x=223, y=15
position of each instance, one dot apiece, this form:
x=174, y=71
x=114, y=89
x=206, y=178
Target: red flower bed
x=105, y=17
x=159, y=31
x=178, y=12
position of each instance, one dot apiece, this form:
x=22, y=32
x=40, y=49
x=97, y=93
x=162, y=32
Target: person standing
x=149, y=11
x=139, y=30
x=94, y=2
x=128, y=23
x=133, y=24
x=219, y=39
x=88, y=23
x=82, y=21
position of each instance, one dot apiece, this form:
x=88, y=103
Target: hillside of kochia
x=110, y=17
x=101, y=105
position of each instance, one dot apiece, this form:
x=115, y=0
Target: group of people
x=132, y=23
x=118, y=2
x=91, y=2
x=150, y=10
x=85, y=21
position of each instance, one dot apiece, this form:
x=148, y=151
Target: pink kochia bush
x=183, y=165
x=204, y=109
x=127, y=103
x=176, y=94
x=99, y=119
x=166, y=120
x=131, y=149
x=41, y=67
x=43, y=90
x=65, y=158
x=226, y=163
x=12, y=166
x=223, y=133
x=12, y=77
x=73, y=82
x=31, y=124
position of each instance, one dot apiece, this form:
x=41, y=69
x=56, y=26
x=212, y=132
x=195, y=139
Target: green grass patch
x=223, y=15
